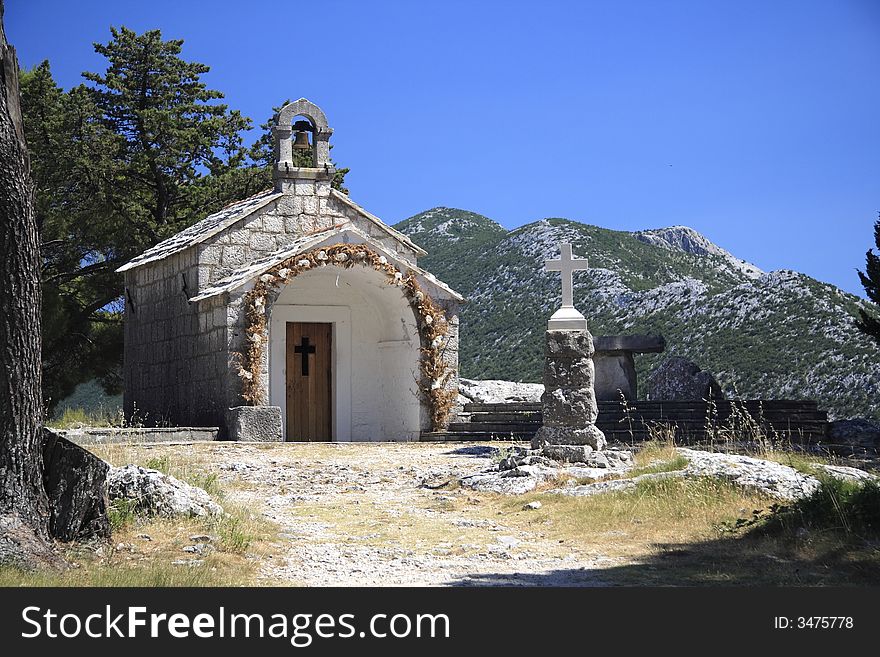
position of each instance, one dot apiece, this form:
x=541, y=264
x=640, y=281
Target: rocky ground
x=367, y=515
x=380, y=514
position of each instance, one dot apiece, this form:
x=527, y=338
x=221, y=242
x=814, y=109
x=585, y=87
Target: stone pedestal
x=254, y=424
x=569, y=401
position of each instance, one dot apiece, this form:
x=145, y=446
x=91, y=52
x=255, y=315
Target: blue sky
x=754, y=122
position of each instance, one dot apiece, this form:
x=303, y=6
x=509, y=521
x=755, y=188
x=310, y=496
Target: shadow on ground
x=752, y=559
x=474, y=450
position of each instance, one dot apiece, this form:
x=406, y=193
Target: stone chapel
x=296, y=299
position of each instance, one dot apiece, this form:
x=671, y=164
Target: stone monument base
x=590, y=436
x=569, y=403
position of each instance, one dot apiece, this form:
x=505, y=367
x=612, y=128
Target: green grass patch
x=847, y=508
x=122, y=514
x=76, y=418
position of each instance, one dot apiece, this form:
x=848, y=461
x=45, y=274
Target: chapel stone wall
x=174, y=351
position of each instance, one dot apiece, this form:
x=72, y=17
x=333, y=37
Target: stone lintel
x=640, y=344
x=303, y=173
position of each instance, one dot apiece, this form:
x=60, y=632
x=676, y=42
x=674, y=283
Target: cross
x=305, y=349
x=566, y=265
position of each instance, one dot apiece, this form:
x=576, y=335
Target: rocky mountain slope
x=767, y=335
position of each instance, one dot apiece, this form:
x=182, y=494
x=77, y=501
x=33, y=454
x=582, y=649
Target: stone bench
x=113, y=435
x=615, y=367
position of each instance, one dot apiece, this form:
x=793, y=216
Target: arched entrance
x=344, y=358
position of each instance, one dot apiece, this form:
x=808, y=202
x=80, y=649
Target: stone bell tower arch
x=283, y=135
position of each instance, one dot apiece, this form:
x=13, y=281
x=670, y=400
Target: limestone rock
x=613, y=485
x=568, y=344
x=508, y=485
x=491, y=391
x=523, y=470
x=768, y=477
x=846, y=473
x=567, y=453
x=569, y=407
x=569, y=373
x=678, y=378
x=156, y=493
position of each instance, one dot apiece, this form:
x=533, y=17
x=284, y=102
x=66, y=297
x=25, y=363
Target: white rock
x=768, y=477
x=156, y=493
x=494, y=391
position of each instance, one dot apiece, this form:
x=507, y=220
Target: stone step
x=528, y=416
x=696, y=417
x=470, y=436
x=797, y=420
x=495, y=427
x=510, y=407
x=768, y=405
x=612, y=436
x=777, y=420
x=638, y=418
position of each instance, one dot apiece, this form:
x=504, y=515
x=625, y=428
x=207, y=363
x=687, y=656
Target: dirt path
x=380, y=515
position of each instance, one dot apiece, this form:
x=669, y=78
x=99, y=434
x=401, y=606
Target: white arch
x=376, y=351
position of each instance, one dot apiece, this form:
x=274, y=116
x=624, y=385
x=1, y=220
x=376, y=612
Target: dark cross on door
x=305, y=349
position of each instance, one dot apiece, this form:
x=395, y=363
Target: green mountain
x=764, y=335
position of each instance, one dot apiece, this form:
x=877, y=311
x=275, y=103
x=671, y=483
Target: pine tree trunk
x=24, y=531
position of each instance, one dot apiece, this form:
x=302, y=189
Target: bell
x=301, y=141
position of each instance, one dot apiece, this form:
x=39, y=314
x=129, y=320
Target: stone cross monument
x=567, y=318
x=569, y=401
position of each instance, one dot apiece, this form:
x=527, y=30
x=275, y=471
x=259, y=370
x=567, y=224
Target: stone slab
x=615, y=373
x=112, y=435
x=640, y=344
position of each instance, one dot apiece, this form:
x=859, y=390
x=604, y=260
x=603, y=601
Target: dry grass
x=142, y=550
x=701, y=531
x=627, y=522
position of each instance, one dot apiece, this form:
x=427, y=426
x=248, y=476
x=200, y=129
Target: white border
x=340, y=318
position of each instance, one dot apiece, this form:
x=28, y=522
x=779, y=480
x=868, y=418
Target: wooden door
x=309, y=396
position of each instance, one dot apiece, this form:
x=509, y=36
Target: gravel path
x=380, y=515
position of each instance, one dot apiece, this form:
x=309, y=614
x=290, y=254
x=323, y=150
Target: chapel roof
x=232, y=213
x=332, y=235
x=202, y=230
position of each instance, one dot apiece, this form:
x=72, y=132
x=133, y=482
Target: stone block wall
x=161, y=332
x=175, y=352
x=307, y=207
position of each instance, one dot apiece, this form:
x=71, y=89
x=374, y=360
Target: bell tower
x=309, y=134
